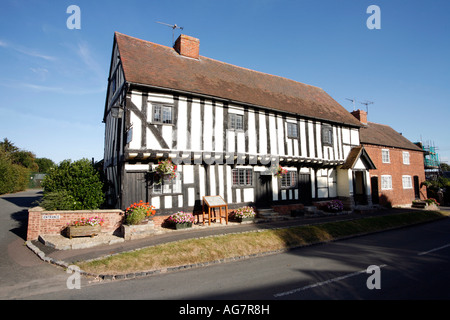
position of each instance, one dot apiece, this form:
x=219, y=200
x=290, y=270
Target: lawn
x=195, y=251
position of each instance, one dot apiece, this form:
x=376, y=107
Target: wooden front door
x=263, y=190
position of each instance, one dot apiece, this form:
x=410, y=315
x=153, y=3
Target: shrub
x=57, y=200
x=80, y=180
x=13, y=177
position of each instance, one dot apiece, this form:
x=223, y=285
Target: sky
x=53, y=78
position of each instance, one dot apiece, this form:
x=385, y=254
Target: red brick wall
x=37, y=224
x=397, y=196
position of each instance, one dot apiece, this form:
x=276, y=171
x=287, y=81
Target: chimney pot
x=187, y=46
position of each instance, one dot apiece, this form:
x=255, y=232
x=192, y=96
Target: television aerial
x=173, y=26
x=366, y=103
x=353, y=101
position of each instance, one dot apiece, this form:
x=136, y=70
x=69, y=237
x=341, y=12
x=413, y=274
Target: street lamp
x=117, y=111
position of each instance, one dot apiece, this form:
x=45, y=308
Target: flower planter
x=138, y=231
x=184, y=225
x=83, y=231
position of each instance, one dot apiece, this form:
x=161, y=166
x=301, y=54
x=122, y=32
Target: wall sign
x=51, y=217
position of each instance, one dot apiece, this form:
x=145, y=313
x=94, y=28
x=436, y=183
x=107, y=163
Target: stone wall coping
x=42, y=210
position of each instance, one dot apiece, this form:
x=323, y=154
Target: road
x=413, y=264
x=22, y=273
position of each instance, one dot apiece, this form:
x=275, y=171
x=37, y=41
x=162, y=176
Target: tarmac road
x=414, y=263
x=22, y=273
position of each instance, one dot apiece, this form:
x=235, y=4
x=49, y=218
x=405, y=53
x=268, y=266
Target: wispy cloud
x=40, y=72
x=27, y=51
x=54, y=89
x=84, y=52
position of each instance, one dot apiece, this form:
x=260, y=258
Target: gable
x=358, y=158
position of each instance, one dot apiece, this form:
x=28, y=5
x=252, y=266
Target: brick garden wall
x=42, y=222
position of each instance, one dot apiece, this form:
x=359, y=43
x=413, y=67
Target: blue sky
x=53, y=79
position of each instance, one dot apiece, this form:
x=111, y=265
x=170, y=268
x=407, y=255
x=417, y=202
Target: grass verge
x=203, y=250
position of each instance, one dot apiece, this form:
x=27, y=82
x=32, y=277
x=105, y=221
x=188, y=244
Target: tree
x=14, y=176
x=445, y=166
x=78, y=180
x=7, y=146
x=44, y=164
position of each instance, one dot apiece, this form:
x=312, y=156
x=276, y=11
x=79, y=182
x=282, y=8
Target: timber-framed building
x=227, y=128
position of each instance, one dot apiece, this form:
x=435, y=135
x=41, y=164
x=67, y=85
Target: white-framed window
x=242, y=177
x=292, y=130
x=385, y=156
x=386, y=182
x=407, y=182
x=169, y=186
x=405, y=157
x=289, y=180
x=236, y=121
x=162, y=114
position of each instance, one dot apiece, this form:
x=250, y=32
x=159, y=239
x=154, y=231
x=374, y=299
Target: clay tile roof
x=354, y=155
x=383, y=135
x=151, y=64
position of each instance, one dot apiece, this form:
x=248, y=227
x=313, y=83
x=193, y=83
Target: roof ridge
x=222, y=62
x=261, y=72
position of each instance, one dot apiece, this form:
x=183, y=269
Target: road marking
x=318, y=284
x=433, y=250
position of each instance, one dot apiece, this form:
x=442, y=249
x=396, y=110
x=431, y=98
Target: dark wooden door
x=135, y=187
x=374, y=190
x=304, y=188
x=263, y=190
x=416, y=187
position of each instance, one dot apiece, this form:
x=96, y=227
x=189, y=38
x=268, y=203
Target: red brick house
x=399, y=172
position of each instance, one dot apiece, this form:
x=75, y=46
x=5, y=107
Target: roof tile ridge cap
x=142, y=40
x=260, y=72
x=380, y=124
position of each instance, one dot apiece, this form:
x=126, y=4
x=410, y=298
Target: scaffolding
x=431, y=160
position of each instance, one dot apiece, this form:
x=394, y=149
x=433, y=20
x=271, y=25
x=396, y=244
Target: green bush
x=80, y=180
x=58, y=200
x=13, y=177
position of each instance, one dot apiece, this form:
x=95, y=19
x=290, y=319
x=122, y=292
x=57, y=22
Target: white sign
x=51, y=217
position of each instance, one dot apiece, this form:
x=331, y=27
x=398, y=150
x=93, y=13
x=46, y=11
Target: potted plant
x=165, y=169
x=138, y=211
x=85, y=227
x=243, y=214
x=335, y=206
x=280, y=171
x=181, y=220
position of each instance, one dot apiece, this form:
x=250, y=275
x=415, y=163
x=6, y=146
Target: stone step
x=269, y=215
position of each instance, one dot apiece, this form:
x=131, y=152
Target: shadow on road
x=23, y=200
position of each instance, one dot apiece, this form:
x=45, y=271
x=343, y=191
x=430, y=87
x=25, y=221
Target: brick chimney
x=187, y=46
x=360, y=115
